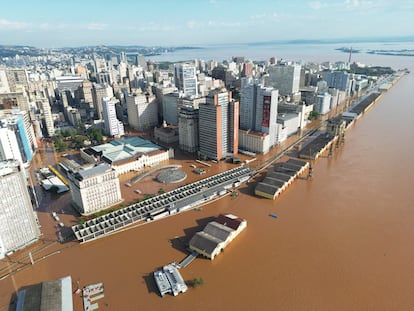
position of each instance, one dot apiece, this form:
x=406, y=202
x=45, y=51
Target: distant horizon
x=409, y=38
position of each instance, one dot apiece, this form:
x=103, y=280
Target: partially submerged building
x=217, y=235
x=169, y=280
x=94, y=188
x=53, y=295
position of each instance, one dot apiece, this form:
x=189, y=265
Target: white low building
x=94, y=188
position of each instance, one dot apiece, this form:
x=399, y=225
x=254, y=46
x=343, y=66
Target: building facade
x=285, y=78
x=142, y=111
x=19, y=225
x=185, y=77
x=113, y=127
x=188, y=129
x=258, y=109
x=94, y=188
x=219, y=126
x=17, y=139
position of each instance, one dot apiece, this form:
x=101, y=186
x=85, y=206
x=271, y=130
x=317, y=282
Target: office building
x=258, y=109
x=19, y=225
x=94, y=188
x=17, y=139
x=188, y=129
x=17, y=79
x=339, y=80
x=285, y=78
x=100, y=91
x=218, y=126
x=185, y=77
x=112, y=126
x=142, y=111
x=44, y=106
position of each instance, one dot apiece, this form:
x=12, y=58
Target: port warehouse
x=178, y=200
x=279, y=177
x=365, y=104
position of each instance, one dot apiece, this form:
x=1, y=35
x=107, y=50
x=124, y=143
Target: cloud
x=95, y=26
x=7, y=24
x=317, y=5
x=191, y=24
x=220, y=24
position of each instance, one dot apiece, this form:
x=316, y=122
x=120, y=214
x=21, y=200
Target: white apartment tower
x=258, y=108
x=113, y=127
x=188, y=129
x=142, y=111
x=18, y=222
x=100, y=91
x=185, y=76
x=44, y=105
x=94, y=188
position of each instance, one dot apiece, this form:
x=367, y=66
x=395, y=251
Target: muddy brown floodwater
x=343, y=241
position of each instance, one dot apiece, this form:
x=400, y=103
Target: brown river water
x=343, y=240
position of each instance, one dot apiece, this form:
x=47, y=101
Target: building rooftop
x=169, y=280
x=53, y=295
x=93, y=171
x=124, y=149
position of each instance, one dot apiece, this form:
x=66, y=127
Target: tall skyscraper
x=285, y=78
x=44, y=105
x=19, y=226
x=17, y=140
x=185, y=76
x=339, y=80
x=142, y=111
x=219, y=125
x=100, y=91
x=113, y=127
x=258, y=108
x=188, y=129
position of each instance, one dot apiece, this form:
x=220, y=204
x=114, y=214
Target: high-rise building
x=44, y=105
x=94, y=188
x=86, y=92
x=100, y=91
x=17, y=139
x=4, y=84
x=17, y=79
x=339, y=80
x=258, y=108
x=19, y=226
x=188, y=129
x=285, y=78
x=142, y=111
x=113, y=127
x=219, y=125
x=185, y=76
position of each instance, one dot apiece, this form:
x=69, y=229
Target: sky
x=59, y=23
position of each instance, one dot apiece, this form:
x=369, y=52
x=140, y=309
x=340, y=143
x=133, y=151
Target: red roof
x=230, y=222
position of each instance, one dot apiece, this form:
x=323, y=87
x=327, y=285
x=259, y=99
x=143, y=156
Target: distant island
x=347, y=50
x=403, y=52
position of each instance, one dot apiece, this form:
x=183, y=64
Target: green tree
x=60, y=145
x=96, y=135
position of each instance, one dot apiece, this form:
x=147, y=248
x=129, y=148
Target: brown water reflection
x=343, y=241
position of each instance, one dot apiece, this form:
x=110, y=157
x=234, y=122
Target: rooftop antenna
x=350, y=55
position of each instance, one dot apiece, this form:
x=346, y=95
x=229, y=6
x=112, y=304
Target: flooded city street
x=342, y=240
